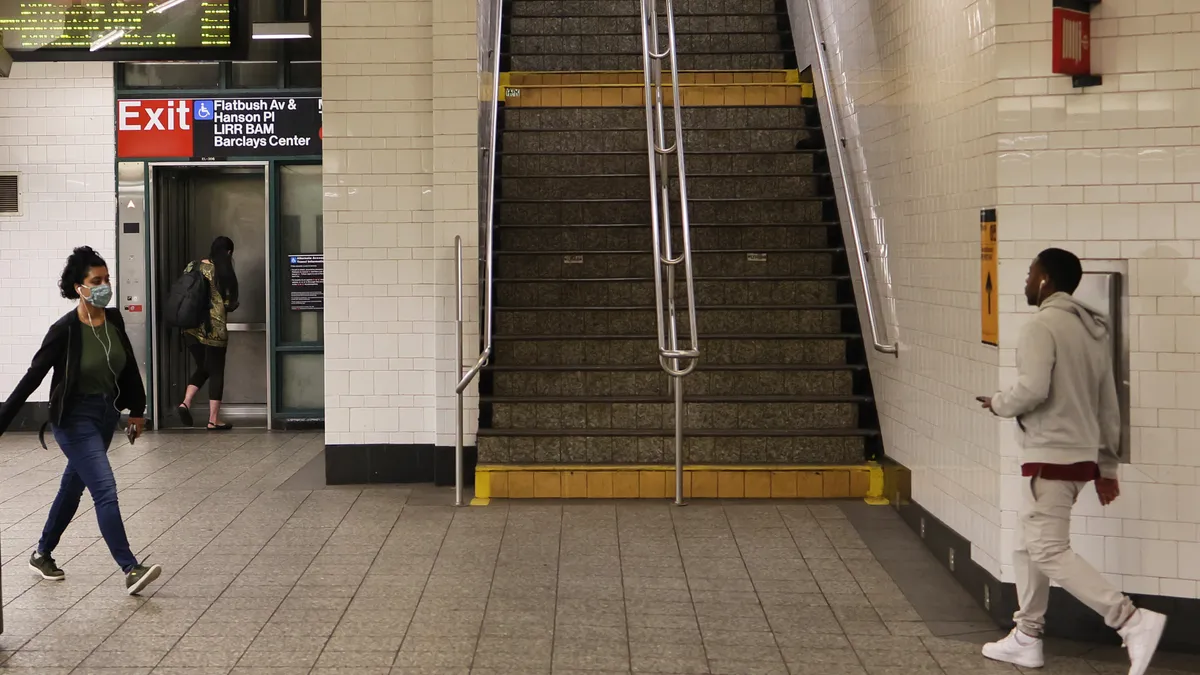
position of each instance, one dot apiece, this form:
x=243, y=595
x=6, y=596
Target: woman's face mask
x=96, y=289
x=97, y=296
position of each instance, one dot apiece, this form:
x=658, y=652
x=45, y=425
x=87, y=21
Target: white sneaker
x=1018, y=649
x=1141, y=634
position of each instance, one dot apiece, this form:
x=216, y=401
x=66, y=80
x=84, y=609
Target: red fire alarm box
x=1072, y=37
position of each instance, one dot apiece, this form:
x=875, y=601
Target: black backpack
x=188, y=302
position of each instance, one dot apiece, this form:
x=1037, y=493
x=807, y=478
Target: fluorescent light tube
x=159, y=9
x=107, y=39
x=282, y=30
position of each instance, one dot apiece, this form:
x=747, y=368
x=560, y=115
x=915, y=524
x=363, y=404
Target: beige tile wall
x=950, y=107
x=56, y=131
x=400, y=94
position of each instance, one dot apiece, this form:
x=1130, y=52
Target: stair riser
x=660, y=450
x=570, y=63
x=601, y=213
x=641, y=322
x=551, y=42
x=590, y=239
x=645, y=352
x=562, y=8
x=655, y=383
x=699, y=119
x=516, y=166
x=634, y=293
x=523, y=27
x=733, y=416
x=629, y=140
x=601, y=187
x=610, y=265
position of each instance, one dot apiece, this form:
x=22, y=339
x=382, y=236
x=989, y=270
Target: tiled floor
x=266, y=576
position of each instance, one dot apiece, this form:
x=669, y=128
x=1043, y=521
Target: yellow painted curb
x=656, y=481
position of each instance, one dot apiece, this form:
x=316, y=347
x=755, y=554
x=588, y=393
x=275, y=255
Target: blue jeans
x=84, y=438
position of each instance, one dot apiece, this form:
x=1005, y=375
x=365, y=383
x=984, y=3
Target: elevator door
x=193, y=206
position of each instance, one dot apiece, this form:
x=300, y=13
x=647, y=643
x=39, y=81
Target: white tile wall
x=400, y=88
x=951, y=106
x=56, y=130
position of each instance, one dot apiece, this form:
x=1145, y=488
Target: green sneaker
x=140, y=577
x=44, y=565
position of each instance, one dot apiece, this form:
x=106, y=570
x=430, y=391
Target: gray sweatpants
x=1044, y=554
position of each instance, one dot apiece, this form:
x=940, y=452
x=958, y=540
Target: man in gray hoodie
x=1065, y=402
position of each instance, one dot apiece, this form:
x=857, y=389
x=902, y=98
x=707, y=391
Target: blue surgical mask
x=100, y=296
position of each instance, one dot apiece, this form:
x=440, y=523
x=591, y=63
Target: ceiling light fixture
x=282, y=30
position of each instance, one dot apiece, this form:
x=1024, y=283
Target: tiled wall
x=912, y=88
x=56, y=130
x=1114, y=172
x=400, y=89
x=950, y=108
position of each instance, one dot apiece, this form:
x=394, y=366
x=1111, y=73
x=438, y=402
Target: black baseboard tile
x=395, y=463
x=298, y=424
x=1067, y=617
x=30, y=417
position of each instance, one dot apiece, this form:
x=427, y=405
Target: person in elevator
x=1065, y=403
x=95, y=377
x=209, y=342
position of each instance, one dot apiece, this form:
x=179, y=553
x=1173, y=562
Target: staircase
x=575, y=377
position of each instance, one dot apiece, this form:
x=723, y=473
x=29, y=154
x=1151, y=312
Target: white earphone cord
x=108, y=360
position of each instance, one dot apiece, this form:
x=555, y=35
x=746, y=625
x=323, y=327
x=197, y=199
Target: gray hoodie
x=1065, y=397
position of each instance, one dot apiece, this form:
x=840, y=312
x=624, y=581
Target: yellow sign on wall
x=989, y=279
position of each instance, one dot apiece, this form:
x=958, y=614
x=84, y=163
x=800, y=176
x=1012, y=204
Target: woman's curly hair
x=75, y=271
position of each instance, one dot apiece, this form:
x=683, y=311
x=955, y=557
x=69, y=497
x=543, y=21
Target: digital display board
x=121, y=30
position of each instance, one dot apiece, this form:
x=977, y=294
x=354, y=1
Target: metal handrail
x=488, y=229
x=677, y=363
x=835, y=121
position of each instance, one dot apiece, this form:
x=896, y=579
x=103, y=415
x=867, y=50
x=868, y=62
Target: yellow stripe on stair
x=657, y=481
x=625, y=89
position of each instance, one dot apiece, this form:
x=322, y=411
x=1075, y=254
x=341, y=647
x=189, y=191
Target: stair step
x=637, y=320
x=704, y=25
x=649, y=380
x=609, y=264
x=638, y=187
x=616, y=292
x=610, y=140
x=633, y=95
x=749, y=413
x=611, y=8
x=657, y=446
x=584, y=240
x=632, y=350
x=516, y=164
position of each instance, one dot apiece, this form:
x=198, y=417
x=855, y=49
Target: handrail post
x=676, y=362
x=458, y=346
x=878, y=334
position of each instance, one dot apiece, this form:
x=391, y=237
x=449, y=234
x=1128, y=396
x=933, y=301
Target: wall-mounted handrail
x=878, y=333
x=487, y=227
x=677, y=362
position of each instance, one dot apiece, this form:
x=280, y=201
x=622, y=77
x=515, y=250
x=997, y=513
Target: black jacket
x=61, y=351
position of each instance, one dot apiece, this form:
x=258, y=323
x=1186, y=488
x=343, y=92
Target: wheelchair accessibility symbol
x=203, y=111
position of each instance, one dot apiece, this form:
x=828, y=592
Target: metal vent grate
x=10, y=194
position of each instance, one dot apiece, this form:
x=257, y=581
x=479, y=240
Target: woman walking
x=207, y=344
x=95, y=378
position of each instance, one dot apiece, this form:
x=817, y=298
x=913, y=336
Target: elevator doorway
x=192, y=205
